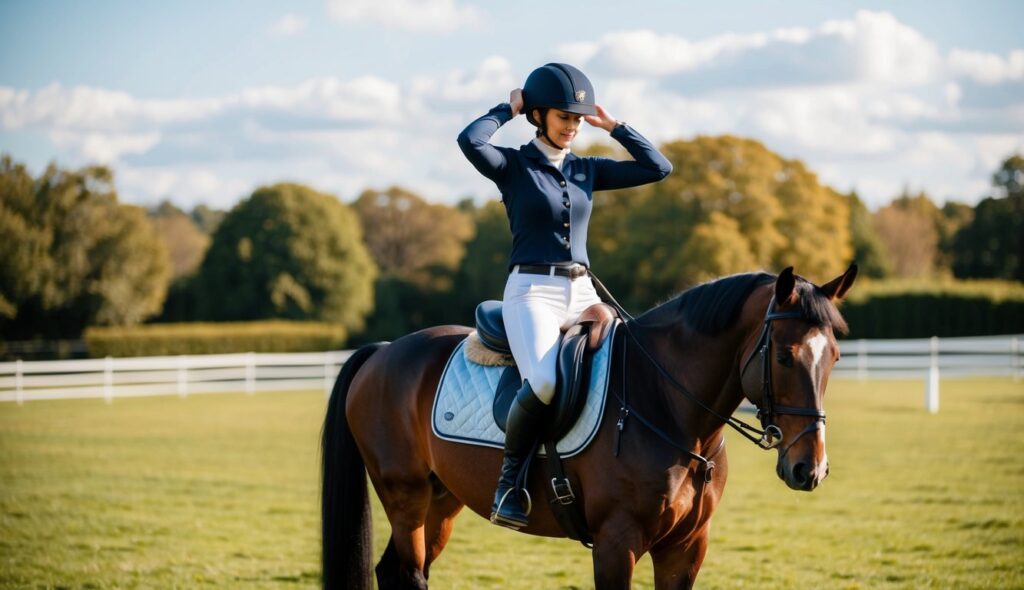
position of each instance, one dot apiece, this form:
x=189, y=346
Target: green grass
x=221, y=490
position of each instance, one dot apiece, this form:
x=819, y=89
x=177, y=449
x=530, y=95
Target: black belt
x=573, y=272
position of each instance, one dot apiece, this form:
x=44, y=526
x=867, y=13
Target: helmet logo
x=581, y=95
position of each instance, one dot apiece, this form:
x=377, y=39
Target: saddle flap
x=573, y=372
x=508, y=385
x=570, y=391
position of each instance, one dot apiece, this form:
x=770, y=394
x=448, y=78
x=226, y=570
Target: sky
x=202, y=102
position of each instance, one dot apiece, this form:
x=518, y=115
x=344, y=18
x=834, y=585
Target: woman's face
x=562, y=127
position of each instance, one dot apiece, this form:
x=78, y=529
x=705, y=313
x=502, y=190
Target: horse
x=652, y=476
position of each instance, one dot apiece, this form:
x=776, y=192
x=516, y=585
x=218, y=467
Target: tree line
x=390, y=262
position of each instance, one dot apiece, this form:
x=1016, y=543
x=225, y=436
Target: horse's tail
x=344, y=503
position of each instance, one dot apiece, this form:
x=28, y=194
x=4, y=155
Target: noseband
x=767, y=409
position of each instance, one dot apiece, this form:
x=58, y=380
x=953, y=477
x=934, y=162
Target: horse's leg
x=434, y=535
x=676, y=566
x=616, y=549
x=440, y=521
x=406, y=502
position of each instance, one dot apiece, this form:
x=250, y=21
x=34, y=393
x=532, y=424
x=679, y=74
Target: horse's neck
x=707, y=365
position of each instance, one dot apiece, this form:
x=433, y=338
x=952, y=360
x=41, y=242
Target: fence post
x=862, y=360
x=108, y=379
x=1014, y=360
x=931, y=390
x=327, y=375
x=19, y=393
x=250, y=373
x=183, y=375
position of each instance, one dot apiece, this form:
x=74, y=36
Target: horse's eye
x=785, y=358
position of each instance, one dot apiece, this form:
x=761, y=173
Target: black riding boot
x=525, y=418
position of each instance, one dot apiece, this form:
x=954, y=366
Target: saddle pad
x=462, y=406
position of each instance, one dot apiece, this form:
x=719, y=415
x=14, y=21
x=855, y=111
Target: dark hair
x=540, y=125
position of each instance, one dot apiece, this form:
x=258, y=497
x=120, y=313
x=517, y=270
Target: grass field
x=222, y=491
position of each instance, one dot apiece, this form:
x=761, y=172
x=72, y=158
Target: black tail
x=344, y=502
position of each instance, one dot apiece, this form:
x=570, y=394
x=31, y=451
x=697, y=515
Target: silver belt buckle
x=576, y=271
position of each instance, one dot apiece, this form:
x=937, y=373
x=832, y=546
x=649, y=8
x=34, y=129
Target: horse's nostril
x=800, y=473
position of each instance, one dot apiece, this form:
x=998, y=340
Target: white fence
x=110, y=378
x=250, y=372
x=991, y=356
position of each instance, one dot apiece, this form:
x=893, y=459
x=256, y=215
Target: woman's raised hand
x=515, y=98
x=602, y=119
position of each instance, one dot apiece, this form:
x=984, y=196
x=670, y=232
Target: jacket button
x=568, y=246
x=561, y=183
x=565, y=225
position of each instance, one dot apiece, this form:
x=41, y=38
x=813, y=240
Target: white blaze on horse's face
x=816, y=347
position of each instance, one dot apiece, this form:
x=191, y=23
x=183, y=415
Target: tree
x=714, y=248
x=72, y=255
x=909, y=227
x=992, y=244
x=868, y=248
x=411, y=239
x=185, y=243
x=768, y=211
x=288, y=252
x=484, y=269
x=206, y=219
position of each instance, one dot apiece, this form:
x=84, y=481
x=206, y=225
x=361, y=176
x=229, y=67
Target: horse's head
x=784, y=372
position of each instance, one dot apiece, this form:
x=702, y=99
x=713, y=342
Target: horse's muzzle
x=802, y=475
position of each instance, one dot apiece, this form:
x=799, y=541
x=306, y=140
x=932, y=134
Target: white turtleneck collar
x=555, y=156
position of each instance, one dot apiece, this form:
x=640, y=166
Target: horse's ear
x=837, y=287
x=785, y=292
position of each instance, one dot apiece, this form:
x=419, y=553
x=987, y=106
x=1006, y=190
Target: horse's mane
x=712, y=307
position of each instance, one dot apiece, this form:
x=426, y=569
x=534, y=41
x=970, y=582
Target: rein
x=771, y=435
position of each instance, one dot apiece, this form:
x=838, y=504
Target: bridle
x=767, y=409
x=771, y=436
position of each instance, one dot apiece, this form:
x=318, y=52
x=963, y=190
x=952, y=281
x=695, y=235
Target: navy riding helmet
x=557, y=86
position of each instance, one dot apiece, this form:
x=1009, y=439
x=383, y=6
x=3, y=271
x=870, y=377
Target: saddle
x=578, y=343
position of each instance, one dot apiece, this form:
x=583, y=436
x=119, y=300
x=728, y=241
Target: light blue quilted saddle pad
x=465, y=396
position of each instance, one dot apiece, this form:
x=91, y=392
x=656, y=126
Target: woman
x=547, y=195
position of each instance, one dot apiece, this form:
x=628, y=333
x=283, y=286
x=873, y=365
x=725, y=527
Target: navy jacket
x=549, y=209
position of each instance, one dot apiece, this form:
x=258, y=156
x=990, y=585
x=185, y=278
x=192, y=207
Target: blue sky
x=202, y=102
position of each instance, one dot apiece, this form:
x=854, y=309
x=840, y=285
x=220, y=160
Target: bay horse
x=654, y=473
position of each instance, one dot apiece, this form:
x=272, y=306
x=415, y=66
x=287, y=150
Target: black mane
x=712, y=307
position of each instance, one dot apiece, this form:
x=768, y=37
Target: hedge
x=213, y=338
x=905, y=309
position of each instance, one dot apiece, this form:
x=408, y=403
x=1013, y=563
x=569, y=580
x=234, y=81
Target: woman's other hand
x=602, y=119
x=515, y=98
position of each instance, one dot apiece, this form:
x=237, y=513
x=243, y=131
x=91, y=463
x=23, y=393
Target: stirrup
x=497, y=519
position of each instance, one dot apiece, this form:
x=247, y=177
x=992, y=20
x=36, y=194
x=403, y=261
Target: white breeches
x=535, y=309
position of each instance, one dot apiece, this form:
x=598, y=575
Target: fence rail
x=990, y=356
x=111, y=378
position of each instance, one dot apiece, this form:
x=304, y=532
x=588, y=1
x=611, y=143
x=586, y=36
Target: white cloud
x=105, y=147
x=289, y=25
x=866, y=102
x=84, y=107
x=491, y=80
x=430, y=16
x=872, y=47
x=987, y=68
